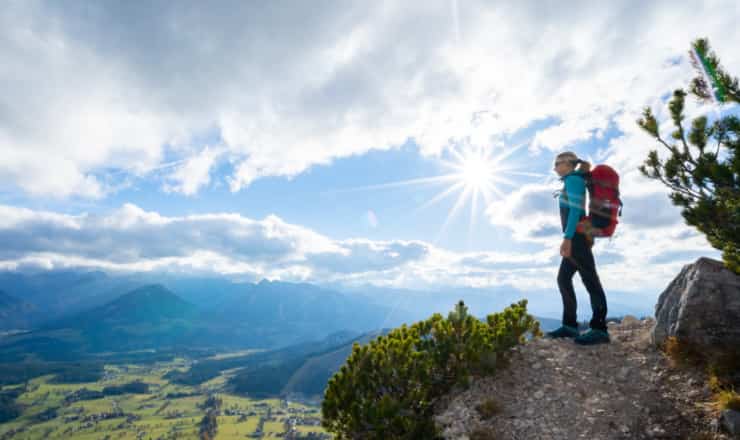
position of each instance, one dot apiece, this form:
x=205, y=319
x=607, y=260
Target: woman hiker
x=577, y=256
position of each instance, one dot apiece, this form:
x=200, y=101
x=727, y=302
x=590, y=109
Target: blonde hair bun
x=583, y=166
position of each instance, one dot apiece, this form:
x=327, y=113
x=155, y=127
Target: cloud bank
x=227, y=244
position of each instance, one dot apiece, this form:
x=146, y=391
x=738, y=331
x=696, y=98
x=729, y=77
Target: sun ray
x=508, y=152
x=524, y=173
x=422, y=180
x=455, y=208
x=495, y=189
x=441, y=195
x=451, y=165
x=486, y=198
x=457, y=154
x=473, y=206
x=501, y=179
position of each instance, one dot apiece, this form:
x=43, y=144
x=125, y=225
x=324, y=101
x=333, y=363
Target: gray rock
x=701, y=307
x=731, y=421
x=629, y=321
x=656, y=431
x=714, y=425
x=623, y=373
x=444, y=419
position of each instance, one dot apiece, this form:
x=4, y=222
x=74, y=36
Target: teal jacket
x=572, y=202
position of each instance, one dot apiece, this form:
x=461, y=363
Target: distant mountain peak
x=150, y=302
x=150, y=290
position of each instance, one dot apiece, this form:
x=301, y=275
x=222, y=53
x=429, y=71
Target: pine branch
x=686, y=191
x=685, y=145
x=665, y=144
x=674, y=150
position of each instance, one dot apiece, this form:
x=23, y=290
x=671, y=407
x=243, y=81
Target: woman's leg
x=565, y=284
x=584, y=258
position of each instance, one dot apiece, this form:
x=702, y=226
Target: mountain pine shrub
x=387, y=388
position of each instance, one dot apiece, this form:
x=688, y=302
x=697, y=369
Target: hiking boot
x=564, y=331
x=593, y=336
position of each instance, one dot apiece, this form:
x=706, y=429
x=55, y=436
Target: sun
x=477, y=172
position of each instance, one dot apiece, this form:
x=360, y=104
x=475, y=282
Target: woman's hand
x=565, y=248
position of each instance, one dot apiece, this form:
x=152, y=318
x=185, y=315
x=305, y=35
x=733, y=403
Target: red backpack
x=604, y=204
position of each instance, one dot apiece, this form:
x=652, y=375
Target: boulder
x=731, y=422
x=701, y=307
x=629, y=321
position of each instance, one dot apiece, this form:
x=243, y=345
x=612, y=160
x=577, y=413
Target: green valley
x=138, y=402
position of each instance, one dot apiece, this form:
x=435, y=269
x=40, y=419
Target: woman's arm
x=575, y=189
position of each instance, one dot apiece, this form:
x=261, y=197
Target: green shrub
x=488, y=408
x=387, y=389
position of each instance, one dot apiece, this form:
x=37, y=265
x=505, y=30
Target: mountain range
x=266, y=315
x=68, y=315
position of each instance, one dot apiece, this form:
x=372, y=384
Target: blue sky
x=240, y=140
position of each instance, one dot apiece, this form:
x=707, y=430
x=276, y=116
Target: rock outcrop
x=627, y=389
x=556, y=389
x=731, y=421
x=701, y=307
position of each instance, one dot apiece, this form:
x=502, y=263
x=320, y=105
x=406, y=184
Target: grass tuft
x=680, y=353
x=482, y=434
x=728, y=399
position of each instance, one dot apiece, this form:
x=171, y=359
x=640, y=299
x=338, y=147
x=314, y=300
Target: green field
x=49, y=413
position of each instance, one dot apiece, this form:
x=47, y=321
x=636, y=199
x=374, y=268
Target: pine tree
x=704, y=182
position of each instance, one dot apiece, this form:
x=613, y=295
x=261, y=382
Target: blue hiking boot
x=564, y=331
x=593, y=336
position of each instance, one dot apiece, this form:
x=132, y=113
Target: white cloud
x=91, y=87
x=194, y=173
x=580, y=128
x=530, y=212
x=652, y=253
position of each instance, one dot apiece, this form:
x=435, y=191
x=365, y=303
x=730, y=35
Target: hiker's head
x=567, y=161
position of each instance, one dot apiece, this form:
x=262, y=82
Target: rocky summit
x=555, y=389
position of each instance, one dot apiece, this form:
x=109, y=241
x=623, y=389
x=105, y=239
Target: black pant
x=581, y=261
